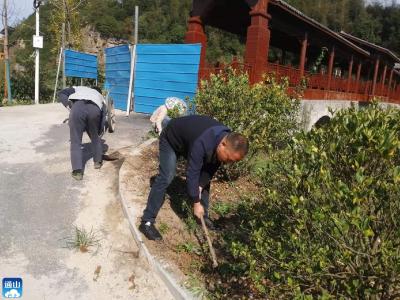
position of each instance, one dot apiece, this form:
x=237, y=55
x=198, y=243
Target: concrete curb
x=176, y=290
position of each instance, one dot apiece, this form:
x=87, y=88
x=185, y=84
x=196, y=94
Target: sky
x=18, y=9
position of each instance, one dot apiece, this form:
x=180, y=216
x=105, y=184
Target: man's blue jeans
x=167, y=170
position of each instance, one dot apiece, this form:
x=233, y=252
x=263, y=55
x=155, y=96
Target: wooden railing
x=317, y=86
x=292, y=74
x=206, y=72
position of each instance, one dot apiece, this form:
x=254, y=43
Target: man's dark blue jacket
x=196, y=138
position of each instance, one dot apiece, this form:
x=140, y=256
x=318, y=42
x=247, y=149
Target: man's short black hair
x=238, y=142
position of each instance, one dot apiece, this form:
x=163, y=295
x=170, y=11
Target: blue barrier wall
x=79, y=64
x=118, y=63
x=164, y=71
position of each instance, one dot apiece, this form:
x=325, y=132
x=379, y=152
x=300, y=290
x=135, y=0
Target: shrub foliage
x=262, y=112
x=328, y=226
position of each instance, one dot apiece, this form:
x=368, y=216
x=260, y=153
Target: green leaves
x=263, y=112
x=328, y=226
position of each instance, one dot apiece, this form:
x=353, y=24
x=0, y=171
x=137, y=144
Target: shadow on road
x=87, y=152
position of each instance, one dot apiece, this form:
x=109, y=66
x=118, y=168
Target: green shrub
x=23, y=89
x=188, y=247
x=328, y=226
x=263, y=112
x=222, y=208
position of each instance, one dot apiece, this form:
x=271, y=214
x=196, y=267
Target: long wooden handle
x=213, y=256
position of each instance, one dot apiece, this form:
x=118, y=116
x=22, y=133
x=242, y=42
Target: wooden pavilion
x=354, y=69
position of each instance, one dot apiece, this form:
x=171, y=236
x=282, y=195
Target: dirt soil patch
x=184, y=249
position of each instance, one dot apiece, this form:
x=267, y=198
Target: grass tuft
x=82, y=240
x=163, y=228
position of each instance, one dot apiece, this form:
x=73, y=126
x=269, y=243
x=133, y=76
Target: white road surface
x=41, y=203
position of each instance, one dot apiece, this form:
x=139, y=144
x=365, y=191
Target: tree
x=66, y=11
x=5, y=18
x=389, y=21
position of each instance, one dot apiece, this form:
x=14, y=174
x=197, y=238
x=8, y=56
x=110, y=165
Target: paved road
x=41, y=203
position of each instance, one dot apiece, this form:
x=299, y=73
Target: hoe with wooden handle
x=213, y=256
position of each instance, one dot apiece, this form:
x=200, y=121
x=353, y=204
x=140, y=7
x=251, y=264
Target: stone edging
x=176, y=290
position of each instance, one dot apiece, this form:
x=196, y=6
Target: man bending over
x=87, y=107
x=205, y=143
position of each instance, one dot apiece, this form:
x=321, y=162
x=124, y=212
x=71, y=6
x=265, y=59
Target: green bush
x=263, y=112
x=328, y=226
x=23, y=89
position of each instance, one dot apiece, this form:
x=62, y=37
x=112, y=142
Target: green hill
x=164, y=21
x=160, y=21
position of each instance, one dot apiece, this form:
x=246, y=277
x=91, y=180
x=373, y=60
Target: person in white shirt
x=86, y=114
x=160, y=118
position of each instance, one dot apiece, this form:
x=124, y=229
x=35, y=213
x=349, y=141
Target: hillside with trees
x=164, y=21
x=374, y=22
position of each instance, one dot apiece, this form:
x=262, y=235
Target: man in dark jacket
x=205, y=143
x=86, y=114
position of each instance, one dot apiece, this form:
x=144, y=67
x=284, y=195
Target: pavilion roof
x=306, y=19
x=233, y=16
x=372, y=48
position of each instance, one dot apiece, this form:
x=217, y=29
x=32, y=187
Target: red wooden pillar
x=330, y=67
x=350, y=74
x=375, y=77
x=390, y=82
x=303, y=54
x=195, y=34
x=358, y=76
x=382, y=91
x=257, y=43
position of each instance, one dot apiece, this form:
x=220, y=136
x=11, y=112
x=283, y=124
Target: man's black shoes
x=150, y=231
x=98, y=165
x=77, y=174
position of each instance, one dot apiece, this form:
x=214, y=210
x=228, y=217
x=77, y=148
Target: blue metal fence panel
x=118, y=63
x=165, y=71
x=79, y=64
